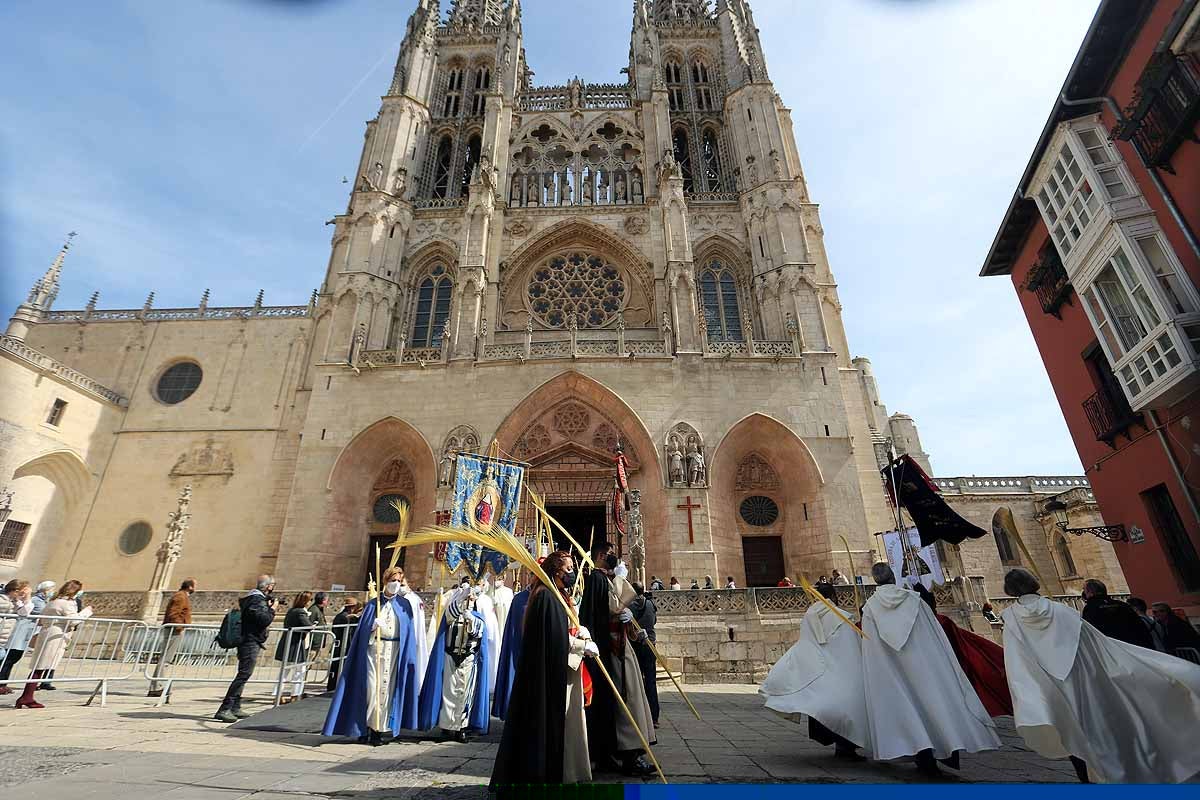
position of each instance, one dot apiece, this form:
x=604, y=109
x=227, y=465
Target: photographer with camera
x=258, y=612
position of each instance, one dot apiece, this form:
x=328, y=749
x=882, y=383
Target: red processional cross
x=688, y=506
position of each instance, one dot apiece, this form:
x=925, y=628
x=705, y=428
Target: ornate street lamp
x=1109, y=533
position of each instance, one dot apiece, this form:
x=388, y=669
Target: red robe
x=983, y=662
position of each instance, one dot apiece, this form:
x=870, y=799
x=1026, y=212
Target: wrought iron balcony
x=1165, y=109
x=1110, y=416
x=1048, y=280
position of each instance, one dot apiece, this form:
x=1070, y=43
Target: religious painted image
x=487, y=497
x=901, y=556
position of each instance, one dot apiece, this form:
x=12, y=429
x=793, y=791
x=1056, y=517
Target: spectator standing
x=1113, y=618
x=1177, y=632
x=258, y=612
x=839, y=579
x=292, y=650
x=41, y=596
x=1157, y=632
x=676, y=585
x=708, y=584
x=729, y=584
x=696, y=584
x=342, y=632
x=785, y=583
x=656, y=585
x=53, y=638
x=14, y=633
x=179, y=612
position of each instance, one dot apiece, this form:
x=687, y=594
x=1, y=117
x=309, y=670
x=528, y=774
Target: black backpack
x=229, y=635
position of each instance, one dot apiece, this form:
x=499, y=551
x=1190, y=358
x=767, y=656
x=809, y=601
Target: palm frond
x=815, y=595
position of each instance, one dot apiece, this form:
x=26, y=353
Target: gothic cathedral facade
x=563, y=270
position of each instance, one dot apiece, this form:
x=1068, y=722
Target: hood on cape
x=1051, y=630
x=894, y=612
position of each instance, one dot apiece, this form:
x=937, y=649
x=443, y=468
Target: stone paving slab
x=130, y=750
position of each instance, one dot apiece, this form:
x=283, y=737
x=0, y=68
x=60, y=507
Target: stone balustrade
x=175, y=314
x=1048, y=485
x=713, y=197
x=1072, y=600
x=590, y=96
x=47, y=365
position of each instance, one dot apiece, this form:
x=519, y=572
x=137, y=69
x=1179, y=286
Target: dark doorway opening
x=586, y=524
x=383, y=540
x=763, y=558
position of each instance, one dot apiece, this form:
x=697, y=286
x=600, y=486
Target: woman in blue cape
x=456, y=694
x=510, y=653
x=373, y=706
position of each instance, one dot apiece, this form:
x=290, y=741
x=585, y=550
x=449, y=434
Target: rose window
x=576, y=286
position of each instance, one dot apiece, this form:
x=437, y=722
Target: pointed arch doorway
x=568, y=430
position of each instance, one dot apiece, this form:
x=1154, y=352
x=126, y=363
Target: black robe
x=602, y=713
x=532, y=746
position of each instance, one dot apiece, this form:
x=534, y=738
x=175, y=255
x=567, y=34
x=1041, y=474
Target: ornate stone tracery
x=396, y=475
x=755, y=473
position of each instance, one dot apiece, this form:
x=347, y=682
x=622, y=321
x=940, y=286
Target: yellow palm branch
x=404, y=510
x=814, y=594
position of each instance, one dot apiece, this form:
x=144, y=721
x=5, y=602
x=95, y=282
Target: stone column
x=167, y=555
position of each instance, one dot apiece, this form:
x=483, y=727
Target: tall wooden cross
x=688, y=506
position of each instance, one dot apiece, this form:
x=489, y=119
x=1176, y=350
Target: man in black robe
x=541, y=744
x=607, y=724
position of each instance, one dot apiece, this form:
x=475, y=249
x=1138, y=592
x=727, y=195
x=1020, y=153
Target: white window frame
x=1168, y=343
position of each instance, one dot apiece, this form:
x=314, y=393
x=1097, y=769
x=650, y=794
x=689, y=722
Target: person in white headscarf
x=1122, y=713
x=821, y=676
x=503, y=597
x=919, y=701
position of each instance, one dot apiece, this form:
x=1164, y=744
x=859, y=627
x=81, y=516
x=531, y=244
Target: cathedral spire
x=46, y=290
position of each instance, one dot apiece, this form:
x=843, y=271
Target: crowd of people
x=1108, y=689
x=40, y=620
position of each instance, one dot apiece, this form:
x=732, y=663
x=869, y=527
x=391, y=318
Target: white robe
x=1131, y=714
x=492, y=630
x=822, y=676
x=918, y=697
x=503, y=597
x=379, y=684
x=419, y=632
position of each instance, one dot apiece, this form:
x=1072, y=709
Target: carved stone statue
x=568, y=191
x=619, y=188
x=514, y=194
x=588, y=192
x=637, y=185
x=697, y=472
x=666, y=325
x=790, y=325
x=377, y=176
x=445, y=468
x=637, y=537
x=399, y=182
x=167, y=554
x=675, y=471
x=576, y=89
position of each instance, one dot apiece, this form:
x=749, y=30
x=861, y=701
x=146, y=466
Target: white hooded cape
x=1131, y=714
x=419, y=632
x=485, y=606
x=821, y=676
x=917, y=695
x=503, y=597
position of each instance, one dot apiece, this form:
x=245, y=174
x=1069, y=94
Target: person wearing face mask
x=612, y=738
x=545, y=733
x=456, y=694
x=418, y=616
x=377, y=690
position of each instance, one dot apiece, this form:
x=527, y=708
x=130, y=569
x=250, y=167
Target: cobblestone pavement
x=130, y=750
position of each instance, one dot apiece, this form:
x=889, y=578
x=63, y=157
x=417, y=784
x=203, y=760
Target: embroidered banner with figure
x=487, y=497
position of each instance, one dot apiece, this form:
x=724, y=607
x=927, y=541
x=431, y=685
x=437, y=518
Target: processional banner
x=903, y=548
x=487, y=498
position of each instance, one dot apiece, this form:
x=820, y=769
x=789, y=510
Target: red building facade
x=1100, y=242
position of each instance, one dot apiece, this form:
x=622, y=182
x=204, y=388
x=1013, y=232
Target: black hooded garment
x=602, y=713
x=532, y=746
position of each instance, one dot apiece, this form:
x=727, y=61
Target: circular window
x=578, y=286
x=179, y=382
x=759, y=511
x=135, y=538
x=384, y=512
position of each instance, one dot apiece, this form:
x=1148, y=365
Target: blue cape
x=431, y=689
x=350, y=707
x=510, y=653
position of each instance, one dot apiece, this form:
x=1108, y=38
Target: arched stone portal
x=48, y=493
x=389, y=457
x=567, y=430
x=768, y=508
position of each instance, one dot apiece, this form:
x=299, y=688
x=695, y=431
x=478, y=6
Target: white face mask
x=392, y=587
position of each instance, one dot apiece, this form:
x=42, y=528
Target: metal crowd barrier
x=192, y=656
x=106, y=651
x=95, y=650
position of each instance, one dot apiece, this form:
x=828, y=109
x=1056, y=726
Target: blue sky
x=202, y=144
